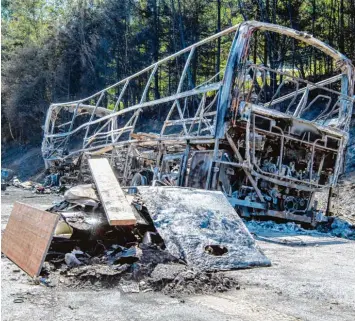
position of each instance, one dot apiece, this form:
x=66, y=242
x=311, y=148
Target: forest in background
x=62, y=50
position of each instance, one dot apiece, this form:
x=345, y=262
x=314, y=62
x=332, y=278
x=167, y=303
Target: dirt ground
x=311, y=278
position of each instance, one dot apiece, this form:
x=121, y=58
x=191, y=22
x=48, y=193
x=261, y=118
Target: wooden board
x=102, y=150
x=27, y=237
x=116, y=206
x=144, y=136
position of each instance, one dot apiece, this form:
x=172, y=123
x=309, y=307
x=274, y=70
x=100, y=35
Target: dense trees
x=63, y=50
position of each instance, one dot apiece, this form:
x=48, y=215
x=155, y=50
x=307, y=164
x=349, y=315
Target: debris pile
x=162, y=238
x=88, y=252
x=338, y=227
x=334, y=227
x=50, y=185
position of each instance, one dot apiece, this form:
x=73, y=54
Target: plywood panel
x=116, y=206
x=27, y=237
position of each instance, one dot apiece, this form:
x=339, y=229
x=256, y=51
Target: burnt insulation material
x=202, y=228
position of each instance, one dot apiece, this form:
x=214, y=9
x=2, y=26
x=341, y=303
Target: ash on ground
x=171, y=279
x=174, y=279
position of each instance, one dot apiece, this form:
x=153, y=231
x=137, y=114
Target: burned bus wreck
x=268, y=126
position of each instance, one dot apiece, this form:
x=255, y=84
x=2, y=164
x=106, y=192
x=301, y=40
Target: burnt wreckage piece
x=201, y=228
x=267, y=133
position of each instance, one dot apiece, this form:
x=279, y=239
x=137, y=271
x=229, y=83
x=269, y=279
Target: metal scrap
x=191, y=220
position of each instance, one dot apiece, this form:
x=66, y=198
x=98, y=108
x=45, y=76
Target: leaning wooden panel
x=27, y=237
x=116, y=206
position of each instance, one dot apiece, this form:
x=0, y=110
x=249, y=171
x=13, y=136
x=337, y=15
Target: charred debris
x=158, y=206
x=176, y=245
x=159, y=238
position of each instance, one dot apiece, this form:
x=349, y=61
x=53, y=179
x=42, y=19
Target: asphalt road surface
x=311, y=278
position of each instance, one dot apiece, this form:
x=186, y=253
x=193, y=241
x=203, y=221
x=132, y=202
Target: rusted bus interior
x=268, y=129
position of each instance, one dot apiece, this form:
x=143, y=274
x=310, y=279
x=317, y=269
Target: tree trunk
x=219, y=39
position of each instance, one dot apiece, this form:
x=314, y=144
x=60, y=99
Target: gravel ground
x=311, y=278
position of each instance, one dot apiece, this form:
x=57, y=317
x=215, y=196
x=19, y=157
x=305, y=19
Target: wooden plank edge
x=123, y=222
x=48, y=244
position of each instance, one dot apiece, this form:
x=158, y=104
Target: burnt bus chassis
x=267, y=162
